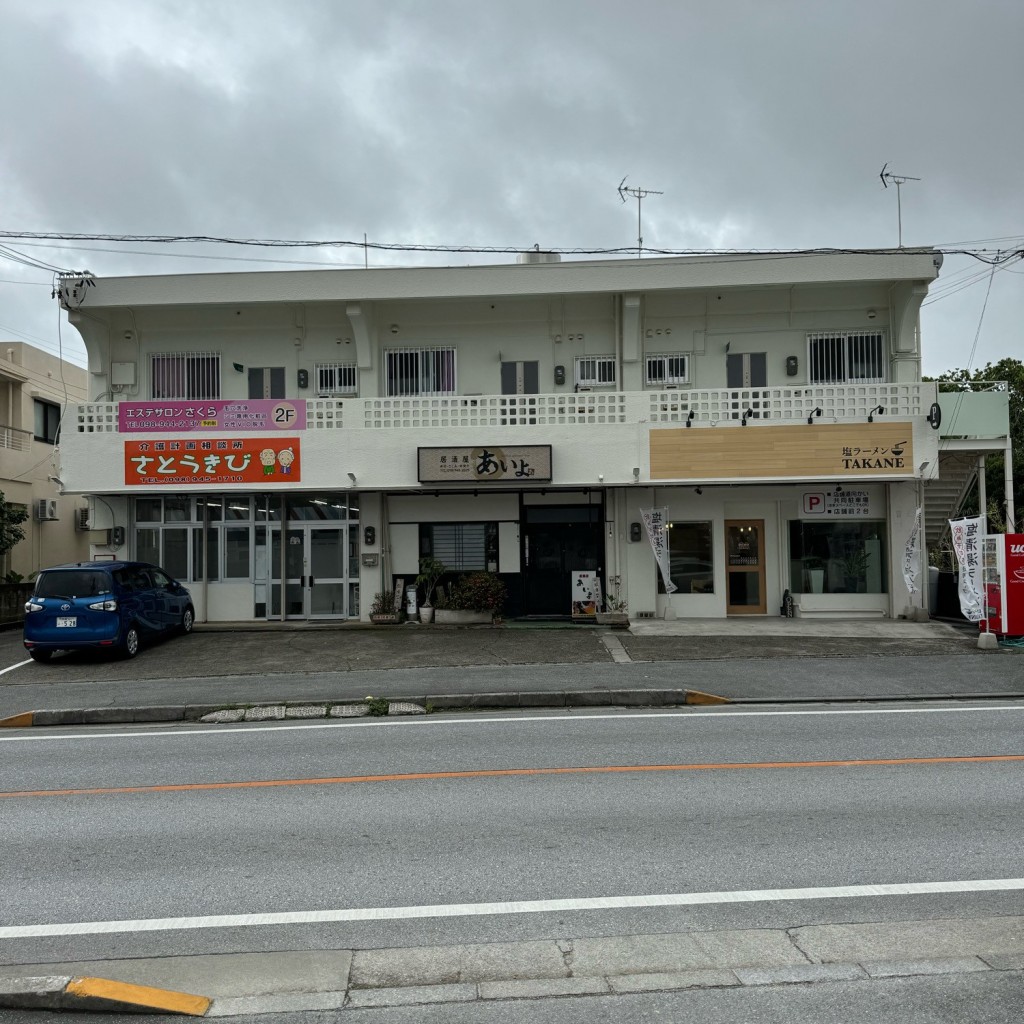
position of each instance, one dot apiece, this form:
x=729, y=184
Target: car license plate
x=66, y=621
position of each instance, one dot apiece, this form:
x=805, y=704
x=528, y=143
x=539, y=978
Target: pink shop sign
x=248, y=414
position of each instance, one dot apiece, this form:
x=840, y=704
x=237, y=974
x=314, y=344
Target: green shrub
x=478, y=592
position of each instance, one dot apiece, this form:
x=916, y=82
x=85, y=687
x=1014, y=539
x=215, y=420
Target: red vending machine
x=1003, y=566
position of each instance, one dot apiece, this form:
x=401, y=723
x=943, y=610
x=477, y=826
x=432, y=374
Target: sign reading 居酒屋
x=233, y=460
x=242, y=415
x=520, y=463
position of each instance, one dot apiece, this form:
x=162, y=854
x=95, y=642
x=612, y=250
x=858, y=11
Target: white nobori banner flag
x=967, y=535
x=655, y=520
x=911, y=554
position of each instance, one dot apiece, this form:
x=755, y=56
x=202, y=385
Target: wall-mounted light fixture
x=838, y=489
x=814, y=412
x=748, y=413
x=698, y=490
x=879, y=409
x=636, y=474
x=872, y=314
x=600, y=478
x=394, y=328
x=689, y=418
x=352, y=477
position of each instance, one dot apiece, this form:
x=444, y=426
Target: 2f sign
x=814, y=503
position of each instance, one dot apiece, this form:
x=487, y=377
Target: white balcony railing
x=15, y=438
x=778, y=404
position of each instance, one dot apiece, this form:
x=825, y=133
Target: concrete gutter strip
x=462, y=702
x=255, y=983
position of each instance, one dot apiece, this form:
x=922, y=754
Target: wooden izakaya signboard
x=511, y=464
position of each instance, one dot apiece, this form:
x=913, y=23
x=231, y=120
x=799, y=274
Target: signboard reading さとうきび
x=232, y=460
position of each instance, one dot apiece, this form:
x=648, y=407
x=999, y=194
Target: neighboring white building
x=35, y=389
x=519, y=418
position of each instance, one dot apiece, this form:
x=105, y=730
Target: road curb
x=61, y=992
x=514, y=699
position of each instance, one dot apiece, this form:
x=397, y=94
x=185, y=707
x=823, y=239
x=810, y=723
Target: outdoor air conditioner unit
x=82, y=518
x=46, y=509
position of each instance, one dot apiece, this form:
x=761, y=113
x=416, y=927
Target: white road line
x=11, y=668
x=250, y=729
x=686, y=899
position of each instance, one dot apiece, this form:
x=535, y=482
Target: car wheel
x=41, y=655
x=188, y=620
x=130, y=643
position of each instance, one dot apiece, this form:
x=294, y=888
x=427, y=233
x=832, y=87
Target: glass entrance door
x=744, y=567
x=316, y=571
x=558, y=541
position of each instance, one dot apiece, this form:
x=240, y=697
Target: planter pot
x=817, y=577
x=426, y=614
x=460, y=617
x=617, y=620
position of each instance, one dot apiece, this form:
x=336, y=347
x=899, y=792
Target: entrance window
x=462, y=547
x=192, y=376
x=838, y=558
x=420, y=371
x=691, y=558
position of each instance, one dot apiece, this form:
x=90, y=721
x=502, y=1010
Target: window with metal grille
x=336, y=379
x=668, y=369
x=845, y=358
x=595, y=371
x=193, y=376
x=462, y=547
x=420, y=371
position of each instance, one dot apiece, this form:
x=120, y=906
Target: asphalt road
x=251, y=849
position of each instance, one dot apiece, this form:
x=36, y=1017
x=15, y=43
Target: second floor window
x=336, y=379
x=47, y=421
x=846, y=358
x=668, y=369
x=420, y=371
x=595, y=371
x=192, y=376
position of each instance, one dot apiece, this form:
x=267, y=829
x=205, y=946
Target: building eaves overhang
x=735, y=270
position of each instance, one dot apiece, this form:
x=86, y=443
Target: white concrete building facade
x=519, y=418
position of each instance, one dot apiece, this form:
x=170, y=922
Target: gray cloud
x=512, y=123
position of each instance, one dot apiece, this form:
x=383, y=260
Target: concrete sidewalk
x=282, y=982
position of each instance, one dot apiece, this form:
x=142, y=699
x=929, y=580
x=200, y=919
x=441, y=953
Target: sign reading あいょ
x=233, y=460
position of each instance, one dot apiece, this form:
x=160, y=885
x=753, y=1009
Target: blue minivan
x=103, y=605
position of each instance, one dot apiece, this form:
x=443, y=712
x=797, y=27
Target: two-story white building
x=294, y=442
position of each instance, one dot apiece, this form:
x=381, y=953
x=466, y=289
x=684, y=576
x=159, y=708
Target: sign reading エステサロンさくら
x=242, y=415
x=511, y=464
x=231, y=460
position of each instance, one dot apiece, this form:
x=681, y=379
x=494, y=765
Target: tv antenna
x=639, y=194
x=897, y=180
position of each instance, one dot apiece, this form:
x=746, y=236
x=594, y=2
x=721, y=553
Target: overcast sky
x=511, y=122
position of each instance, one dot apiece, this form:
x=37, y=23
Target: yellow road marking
x=486, y=773
x=139, y=995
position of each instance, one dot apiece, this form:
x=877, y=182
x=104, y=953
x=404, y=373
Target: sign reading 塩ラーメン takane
x=513, y=464
x=231, y=460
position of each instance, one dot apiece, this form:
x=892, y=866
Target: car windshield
x=72, y=583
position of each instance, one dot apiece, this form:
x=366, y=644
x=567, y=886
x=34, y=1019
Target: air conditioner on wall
x=46, y=509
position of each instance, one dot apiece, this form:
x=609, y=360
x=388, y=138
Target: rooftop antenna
x=639, y=194
x=897, y=180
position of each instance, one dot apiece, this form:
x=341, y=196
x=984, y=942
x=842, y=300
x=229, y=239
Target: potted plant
x=855, y=570
x=615, y=614
x=383, y=608
x=477, y=597
x=431, y=571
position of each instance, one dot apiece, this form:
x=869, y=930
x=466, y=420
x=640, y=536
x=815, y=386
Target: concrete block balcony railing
x=701, y=406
